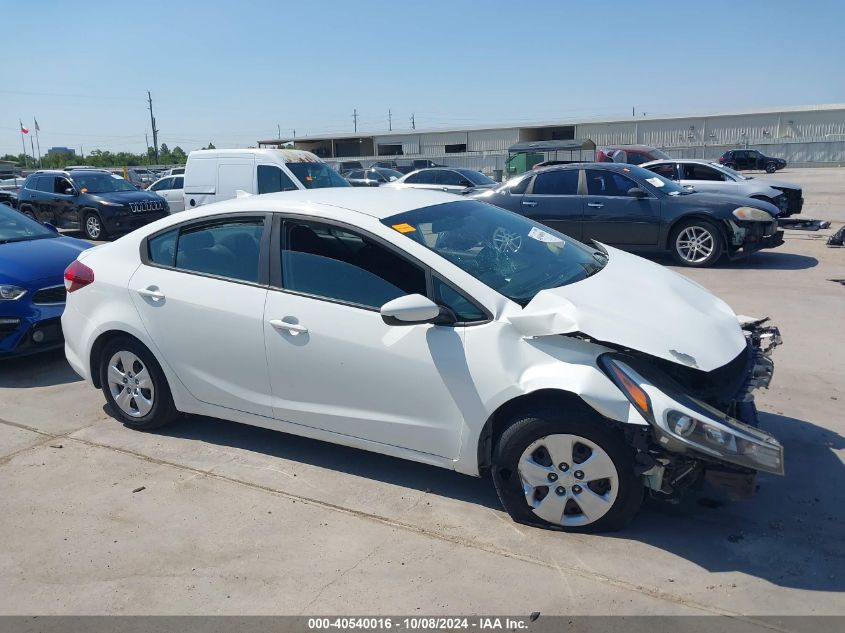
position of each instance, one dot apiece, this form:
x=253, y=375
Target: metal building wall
x=410, y=142
x=492, y=140
x=619, y=133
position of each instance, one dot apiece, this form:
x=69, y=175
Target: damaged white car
x=444, y=331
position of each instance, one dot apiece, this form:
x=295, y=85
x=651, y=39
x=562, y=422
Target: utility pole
x=279, y=128
x=389, y=120
x=355, y=119
x=413, y=123
x=153, y=123
x=147, y=143
x=633, y=111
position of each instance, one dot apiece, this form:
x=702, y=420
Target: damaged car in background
x=640, y=211
x=441, y=330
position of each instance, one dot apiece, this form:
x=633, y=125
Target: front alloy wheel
x=771, y=168
x=696, y=243
x=93, y=227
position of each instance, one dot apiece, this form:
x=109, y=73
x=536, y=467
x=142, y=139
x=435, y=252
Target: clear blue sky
x=229, y=72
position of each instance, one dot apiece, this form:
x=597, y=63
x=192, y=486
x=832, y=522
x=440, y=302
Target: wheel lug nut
x=576, y=489
x=563, y=466
x=560, y=490
x=579, y=474
x=552, y=477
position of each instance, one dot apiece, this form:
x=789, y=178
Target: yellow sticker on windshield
x=404, y=228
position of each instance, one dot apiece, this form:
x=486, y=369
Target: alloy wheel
x=506, y=241
x=92, y=227
x=695, y=244
x=568, y=480
x=130, y=384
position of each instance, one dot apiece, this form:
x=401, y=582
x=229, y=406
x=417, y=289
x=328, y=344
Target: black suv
x=96, y=201
x=740, y=159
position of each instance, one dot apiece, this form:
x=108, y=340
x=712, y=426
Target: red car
x=631, y=154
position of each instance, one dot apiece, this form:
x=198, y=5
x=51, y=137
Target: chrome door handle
x=151, y=292
x=595, y=205
x=295, y=328
x=529, y=203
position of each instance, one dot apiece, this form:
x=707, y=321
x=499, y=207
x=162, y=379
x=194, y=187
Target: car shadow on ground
x=789, y=534
x=353, y=461
x=767, y=260
x=37, y=370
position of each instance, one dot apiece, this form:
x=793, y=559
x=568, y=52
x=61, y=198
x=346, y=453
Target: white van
x=212, y=175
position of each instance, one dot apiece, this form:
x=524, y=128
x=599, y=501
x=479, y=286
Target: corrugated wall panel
x=492, y=140
x=623, y=133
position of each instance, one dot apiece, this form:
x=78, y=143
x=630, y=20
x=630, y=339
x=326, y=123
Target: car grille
x=147, y=205
x=53, y=294
x=794, y=201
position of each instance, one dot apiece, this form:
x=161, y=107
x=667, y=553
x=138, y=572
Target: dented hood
x=640, y=305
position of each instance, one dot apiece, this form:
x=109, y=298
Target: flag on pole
x=23, y=129
x=37, y=128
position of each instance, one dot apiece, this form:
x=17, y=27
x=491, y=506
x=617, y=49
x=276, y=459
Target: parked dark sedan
x=33, y=258
x=637, y=210
x=741, y=159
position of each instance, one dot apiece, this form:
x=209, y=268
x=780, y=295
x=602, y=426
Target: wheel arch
x=500, y=419
x=103, y=339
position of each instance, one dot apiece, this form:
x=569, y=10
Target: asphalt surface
x=211, y=517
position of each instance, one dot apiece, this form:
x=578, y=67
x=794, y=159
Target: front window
x=101, y=183
x=731, y=172
x=656, y=181
x=314, y=175
x=511, y=254
x=16, y=227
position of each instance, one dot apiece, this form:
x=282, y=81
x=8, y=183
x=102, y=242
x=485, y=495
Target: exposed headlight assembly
x=750, y=214
x=11, y=293
x=684, y=422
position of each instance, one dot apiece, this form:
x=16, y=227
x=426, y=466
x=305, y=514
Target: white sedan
x=170, y=188
x=432, y=328
x=452, y=180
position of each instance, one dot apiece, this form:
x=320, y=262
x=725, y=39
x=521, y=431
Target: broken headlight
x=682, y=422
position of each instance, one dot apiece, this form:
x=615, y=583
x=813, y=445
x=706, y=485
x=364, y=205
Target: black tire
x=697, y=225
x=163, y=409
x=90, y=220
x=536, y=425
x=771, y=168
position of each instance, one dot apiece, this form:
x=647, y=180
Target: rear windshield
x=315, y=175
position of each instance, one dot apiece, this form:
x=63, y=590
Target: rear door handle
x=295, y=328
x=595, y=205
x=151, y=292
x=529, y=203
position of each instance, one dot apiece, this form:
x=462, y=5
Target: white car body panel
x=174, y=196
x=420, y=392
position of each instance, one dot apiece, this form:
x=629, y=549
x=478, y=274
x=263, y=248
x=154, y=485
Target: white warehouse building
x=804, y=136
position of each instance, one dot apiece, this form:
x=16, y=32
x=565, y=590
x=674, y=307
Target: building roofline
x=553, y=123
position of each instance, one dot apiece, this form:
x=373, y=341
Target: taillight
x=77, y=276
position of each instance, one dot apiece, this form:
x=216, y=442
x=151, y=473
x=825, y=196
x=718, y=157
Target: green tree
x=179, y=156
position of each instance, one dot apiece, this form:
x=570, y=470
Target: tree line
x=105, y=158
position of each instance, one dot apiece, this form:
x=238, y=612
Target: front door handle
x=151, y=292
x=294, y=328
x=595, y=205
x=529, y=203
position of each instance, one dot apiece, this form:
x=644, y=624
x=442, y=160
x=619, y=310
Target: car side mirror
x=636, y=192
x=391, y=179
x=69, y=191
x=47, y=225
x=410, y=310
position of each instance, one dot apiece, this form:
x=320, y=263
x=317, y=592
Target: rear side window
x=179, y=182
x=558, y=182
x=425, y=178
x=272, y=179
x=701, y=172
x=227, y=248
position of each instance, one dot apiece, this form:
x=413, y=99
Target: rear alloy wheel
x=573, y=476
x=771, y=168
x=696, y=243
x=135, y=386
x=92, y=227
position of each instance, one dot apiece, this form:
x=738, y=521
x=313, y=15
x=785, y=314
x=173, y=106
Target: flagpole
x=23, y=145
x=32, y=146
x=38, y=143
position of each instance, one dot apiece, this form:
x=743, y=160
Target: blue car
x=33, y=258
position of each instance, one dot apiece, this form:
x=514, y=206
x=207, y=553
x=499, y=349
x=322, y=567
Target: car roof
x=688, y=161
x=376, y=202
x=608, y=166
